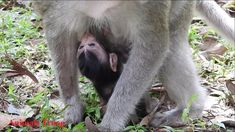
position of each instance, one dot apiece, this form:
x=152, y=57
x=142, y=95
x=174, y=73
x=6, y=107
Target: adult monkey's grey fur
x=158, y=33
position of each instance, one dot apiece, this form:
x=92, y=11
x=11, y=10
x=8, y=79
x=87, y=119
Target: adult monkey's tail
x=217, y=17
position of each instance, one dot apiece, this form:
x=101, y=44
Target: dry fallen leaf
x=218, y=49
x=211, y=48
x=3, y=105
x=6, y=119
x=214, y=52
x=18, y=70
x=230, y=86
x=208, y=43
x=13, y=110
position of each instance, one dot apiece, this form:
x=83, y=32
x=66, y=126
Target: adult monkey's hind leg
x=182, y=83
x=179, y=75
x=63, y=48
x=150, y=39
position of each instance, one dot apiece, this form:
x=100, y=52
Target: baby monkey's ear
x=113, y=60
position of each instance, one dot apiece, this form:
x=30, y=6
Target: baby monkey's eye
x=80, y=47
x=91, y=44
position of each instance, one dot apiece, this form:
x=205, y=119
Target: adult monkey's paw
x=91, y=127
x=74, y=111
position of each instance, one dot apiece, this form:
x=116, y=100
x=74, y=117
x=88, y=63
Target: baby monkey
x=102, y=65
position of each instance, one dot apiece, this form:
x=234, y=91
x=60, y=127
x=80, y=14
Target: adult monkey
x=157, y=31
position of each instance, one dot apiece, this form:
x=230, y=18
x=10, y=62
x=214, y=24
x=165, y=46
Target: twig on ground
x=145, y=121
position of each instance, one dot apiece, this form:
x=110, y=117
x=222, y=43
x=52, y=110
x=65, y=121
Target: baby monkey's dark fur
x=105, y=73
